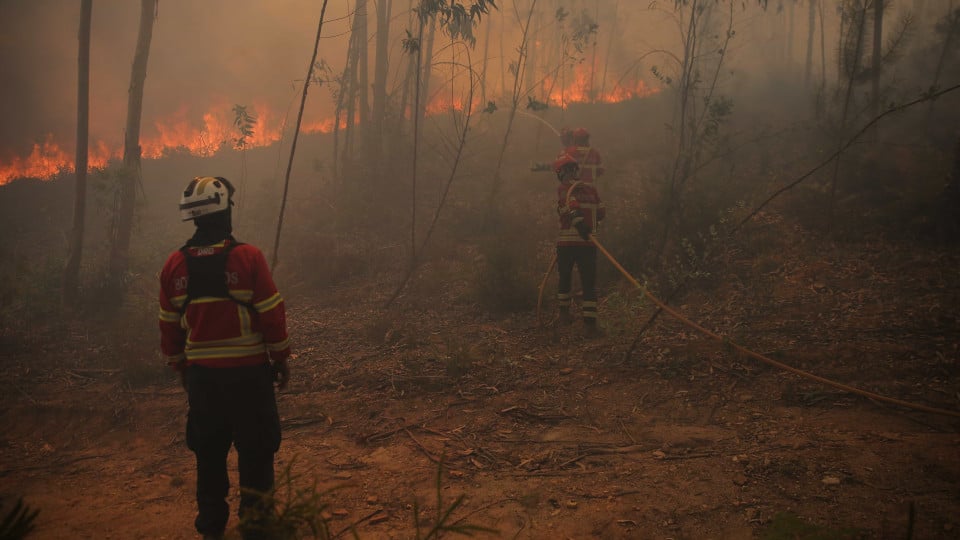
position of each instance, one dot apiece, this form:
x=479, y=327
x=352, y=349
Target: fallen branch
x=423, y=448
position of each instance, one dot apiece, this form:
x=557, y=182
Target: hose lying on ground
x=743, y=350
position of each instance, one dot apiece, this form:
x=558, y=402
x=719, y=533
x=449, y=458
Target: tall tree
x=130, y=174
x=71, y=274
x=296, y=134
x=363, y=71
x=384, y=9
x=811, y=31
x=517, y=69
x=486, y=59
x=877, y=55
x=426, y=67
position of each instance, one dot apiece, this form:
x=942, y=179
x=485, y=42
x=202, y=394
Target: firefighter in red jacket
x=580, y=211
x=223, y=328
x=591, y=165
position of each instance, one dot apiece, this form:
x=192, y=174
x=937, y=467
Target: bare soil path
x=547, y=434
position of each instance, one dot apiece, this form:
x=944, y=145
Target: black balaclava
x=212, y=229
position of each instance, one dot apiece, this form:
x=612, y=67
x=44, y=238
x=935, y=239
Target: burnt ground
x=544, y=433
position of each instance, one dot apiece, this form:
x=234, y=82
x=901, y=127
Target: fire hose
x=741, y=349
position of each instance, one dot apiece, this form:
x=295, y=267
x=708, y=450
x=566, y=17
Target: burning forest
x=526, y=268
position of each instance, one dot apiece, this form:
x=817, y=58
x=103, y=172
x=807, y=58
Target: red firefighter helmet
x=565, y=162
x=581, y=136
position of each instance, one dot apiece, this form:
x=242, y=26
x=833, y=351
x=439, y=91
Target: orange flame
x=217, y=131
x=581, y=88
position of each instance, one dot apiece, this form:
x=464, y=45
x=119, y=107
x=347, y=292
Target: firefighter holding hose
x=580, y=211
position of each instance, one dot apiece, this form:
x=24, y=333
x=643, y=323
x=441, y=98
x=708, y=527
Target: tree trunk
x=610, y=48
x=877, y=54
x=350, y=89
x=130, y=175
x=415, y=113
x=791, y=19
x=363, y=71
x=426, y=67
x=514, y=105
x=296, y=135
x=483, y=70
x=953, y=21
x=811, y=31
x=823, y=49
x=71, y=273
x=384, y=8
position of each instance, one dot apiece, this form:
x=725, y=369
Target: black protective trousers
x=585, y=259
x=231, y=406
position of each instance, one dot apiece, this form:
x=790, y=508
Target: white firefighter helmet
x=205, y=195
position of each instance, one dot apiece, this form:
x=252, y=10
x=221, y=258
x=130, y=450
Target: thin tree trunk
x=426, y=67
x=877, y=54
x=350, y=90
x=606, y=60
x=852, y=70
x=791, y=20
x=811, y=31
x=468, y=114
x=296, y=133
x=515, y=102
x=952, y=24
x=364, y=129
x=416, y=140
x=823, y=50
x=71, y=273
x=130, y=175
x=504, y=68
x=384, y=8
x=591, y=95
x=486, y=60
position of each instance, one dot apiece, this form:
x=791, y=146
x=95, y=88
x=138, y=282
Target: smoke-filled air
x=509, y=268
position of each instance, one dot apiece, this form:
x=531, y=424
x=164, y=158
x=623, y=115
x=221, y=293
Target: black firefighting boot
x=565, y=318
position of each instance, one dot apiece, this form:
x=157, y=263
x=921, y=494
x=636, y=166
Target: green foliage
x=661, y=76
x=443, y=521
x=583, y=31
x=290, y=509
x=718, y=110
x=18, y=521
x=535, y=105
x=244, y=121
x=29, y=289
x=561, y=14
x=787, y=526
x=411, y=44
x=322, y=73
x=454, y=17
x=623, y=310
x=506, y=282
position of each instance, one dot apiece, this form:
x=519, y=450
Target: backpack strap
x=207, y=276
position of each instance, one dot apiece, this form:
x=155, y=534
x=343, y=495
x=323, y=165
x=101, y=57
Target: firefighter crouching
x=223, y=328
x=580, y=210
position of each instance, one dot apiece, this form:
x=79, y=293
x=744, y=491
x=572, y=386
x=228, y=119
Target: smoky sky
x=203, y=53
x=213, y=54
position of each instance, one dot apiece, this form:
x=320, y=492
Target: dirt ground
x=544, y=433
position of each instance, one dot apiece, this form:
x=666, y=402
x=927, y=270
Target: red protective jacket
x=577, y=201
x=220, y=332
x=591, y=166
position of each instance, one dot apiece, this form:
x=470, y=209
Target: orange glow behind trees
x=215, y=132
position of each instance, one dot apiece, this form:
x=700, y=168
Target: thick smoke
x=214, y=53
